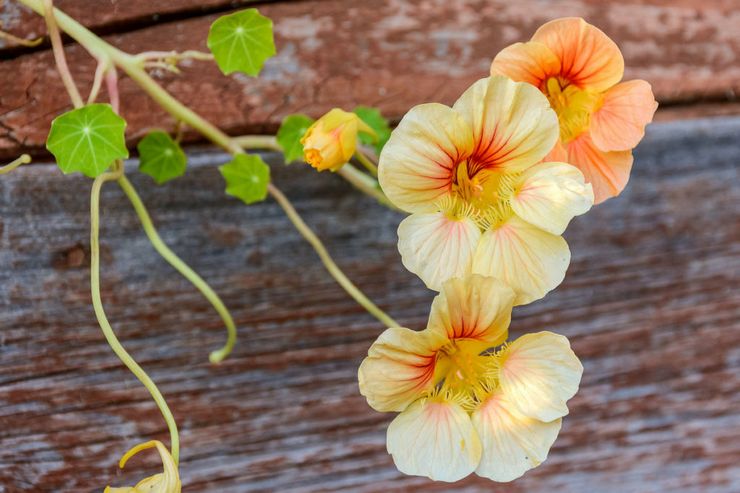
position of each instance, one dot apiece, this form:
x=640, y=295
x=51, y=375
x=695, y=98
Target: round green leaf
x=289, y=136
x=246, y=178
x=87, y=139
x=377, y=122
x=161, y=157
x=241, y=42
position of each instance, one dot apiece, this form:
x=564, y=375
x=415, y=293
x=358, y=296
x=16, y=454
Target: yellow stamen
x=573, y=106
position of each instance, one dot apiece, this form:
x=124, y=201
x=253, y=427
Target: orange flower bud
x=331, y=141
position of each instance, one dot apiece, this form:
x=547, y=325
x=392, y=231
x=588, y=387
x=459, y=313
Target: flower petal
x=513, y=124
x=474, y=307
x=607, y=172
x=528, y=259
x=619, y=124
x=549, y=195
x=538, y=373
x=530, y=62
x=436, y=248
x=398, y=369
x=434, y=439
x=588, y=57
x=417, y=163
x=512, y=442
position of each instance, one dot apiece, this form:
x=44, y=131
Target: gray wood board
x=650, y=303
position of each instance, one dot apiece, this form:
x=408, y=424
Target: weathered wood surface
x=651, y=304
x=388, y=53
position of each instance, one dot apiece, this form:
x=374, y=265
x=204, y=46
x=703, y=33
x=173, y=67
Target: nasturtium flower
x=468, y=401
x=164, y=482
x=601, y=119
x=481, y=200
x=332, y=139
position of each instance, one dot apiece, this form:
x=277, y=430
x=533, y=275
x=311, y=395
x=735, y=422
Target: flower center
x=460, y=367
x=480, y=194
x=573, y=106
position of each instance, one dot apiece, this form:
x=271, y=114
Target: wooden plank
x=650, y=304
x=388, y=53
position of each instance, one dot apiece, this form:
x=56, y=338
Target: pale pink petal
x=434, y=439
x=539, y=373
x=512, y=443
x=437, y=248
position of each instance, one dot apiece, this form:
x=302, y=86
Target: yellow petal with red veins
x=549, y=195
x=474, y=307
x=538, y=373
x=437, y=248
x=418, y=161
x=619, y=124
x=434, y=439
x=513, y=124
x=512, y=443
x=528, y=259
x=607, y=172
x=399, y=368
x=587, y=56
x=530, y=62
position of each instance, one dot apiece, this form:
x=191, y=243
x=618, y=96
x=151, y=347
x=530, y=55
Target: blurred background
x=651, y=301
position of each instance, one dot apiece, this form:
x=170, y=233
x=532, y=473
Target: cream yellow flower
x=464, y=405
x=480, y=202
x=331, y=141
x=601, y=119
x=164, y=482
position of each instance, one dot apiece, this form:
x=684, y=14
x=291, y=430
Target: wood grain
x=387, y=53
x=651, y=304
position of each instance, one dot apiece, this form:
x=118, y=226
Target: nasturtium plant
x=289, y=136
x=247, y=177
x=87, y=139
x=241, y=42
x=161, y=157
x=377, y=122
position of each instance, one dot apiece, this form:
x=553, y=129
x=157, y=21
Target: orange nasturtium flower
x=480, y=202
x=465, y=406
x=579, y=69
x=164, y=482
x=331, y=141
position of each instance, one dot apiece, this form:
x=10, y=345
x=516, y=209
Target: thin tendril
x=105, y=326
x=58, y=49
x=24, y=159
x=182, y=268
x=30, y=43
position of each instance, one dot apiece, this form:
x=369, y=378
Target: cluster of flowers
x=491, y=184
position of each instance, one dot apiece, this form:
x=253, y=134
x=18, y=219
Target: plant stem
x=182, y=268
x=24, y=159
x=366, y=162
x=332, y=267
x=131, y=66
x=258, y=142
x=105, y=326
x=365, y=184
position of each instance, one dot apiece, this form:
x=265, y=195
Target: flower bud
x=331, y=141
